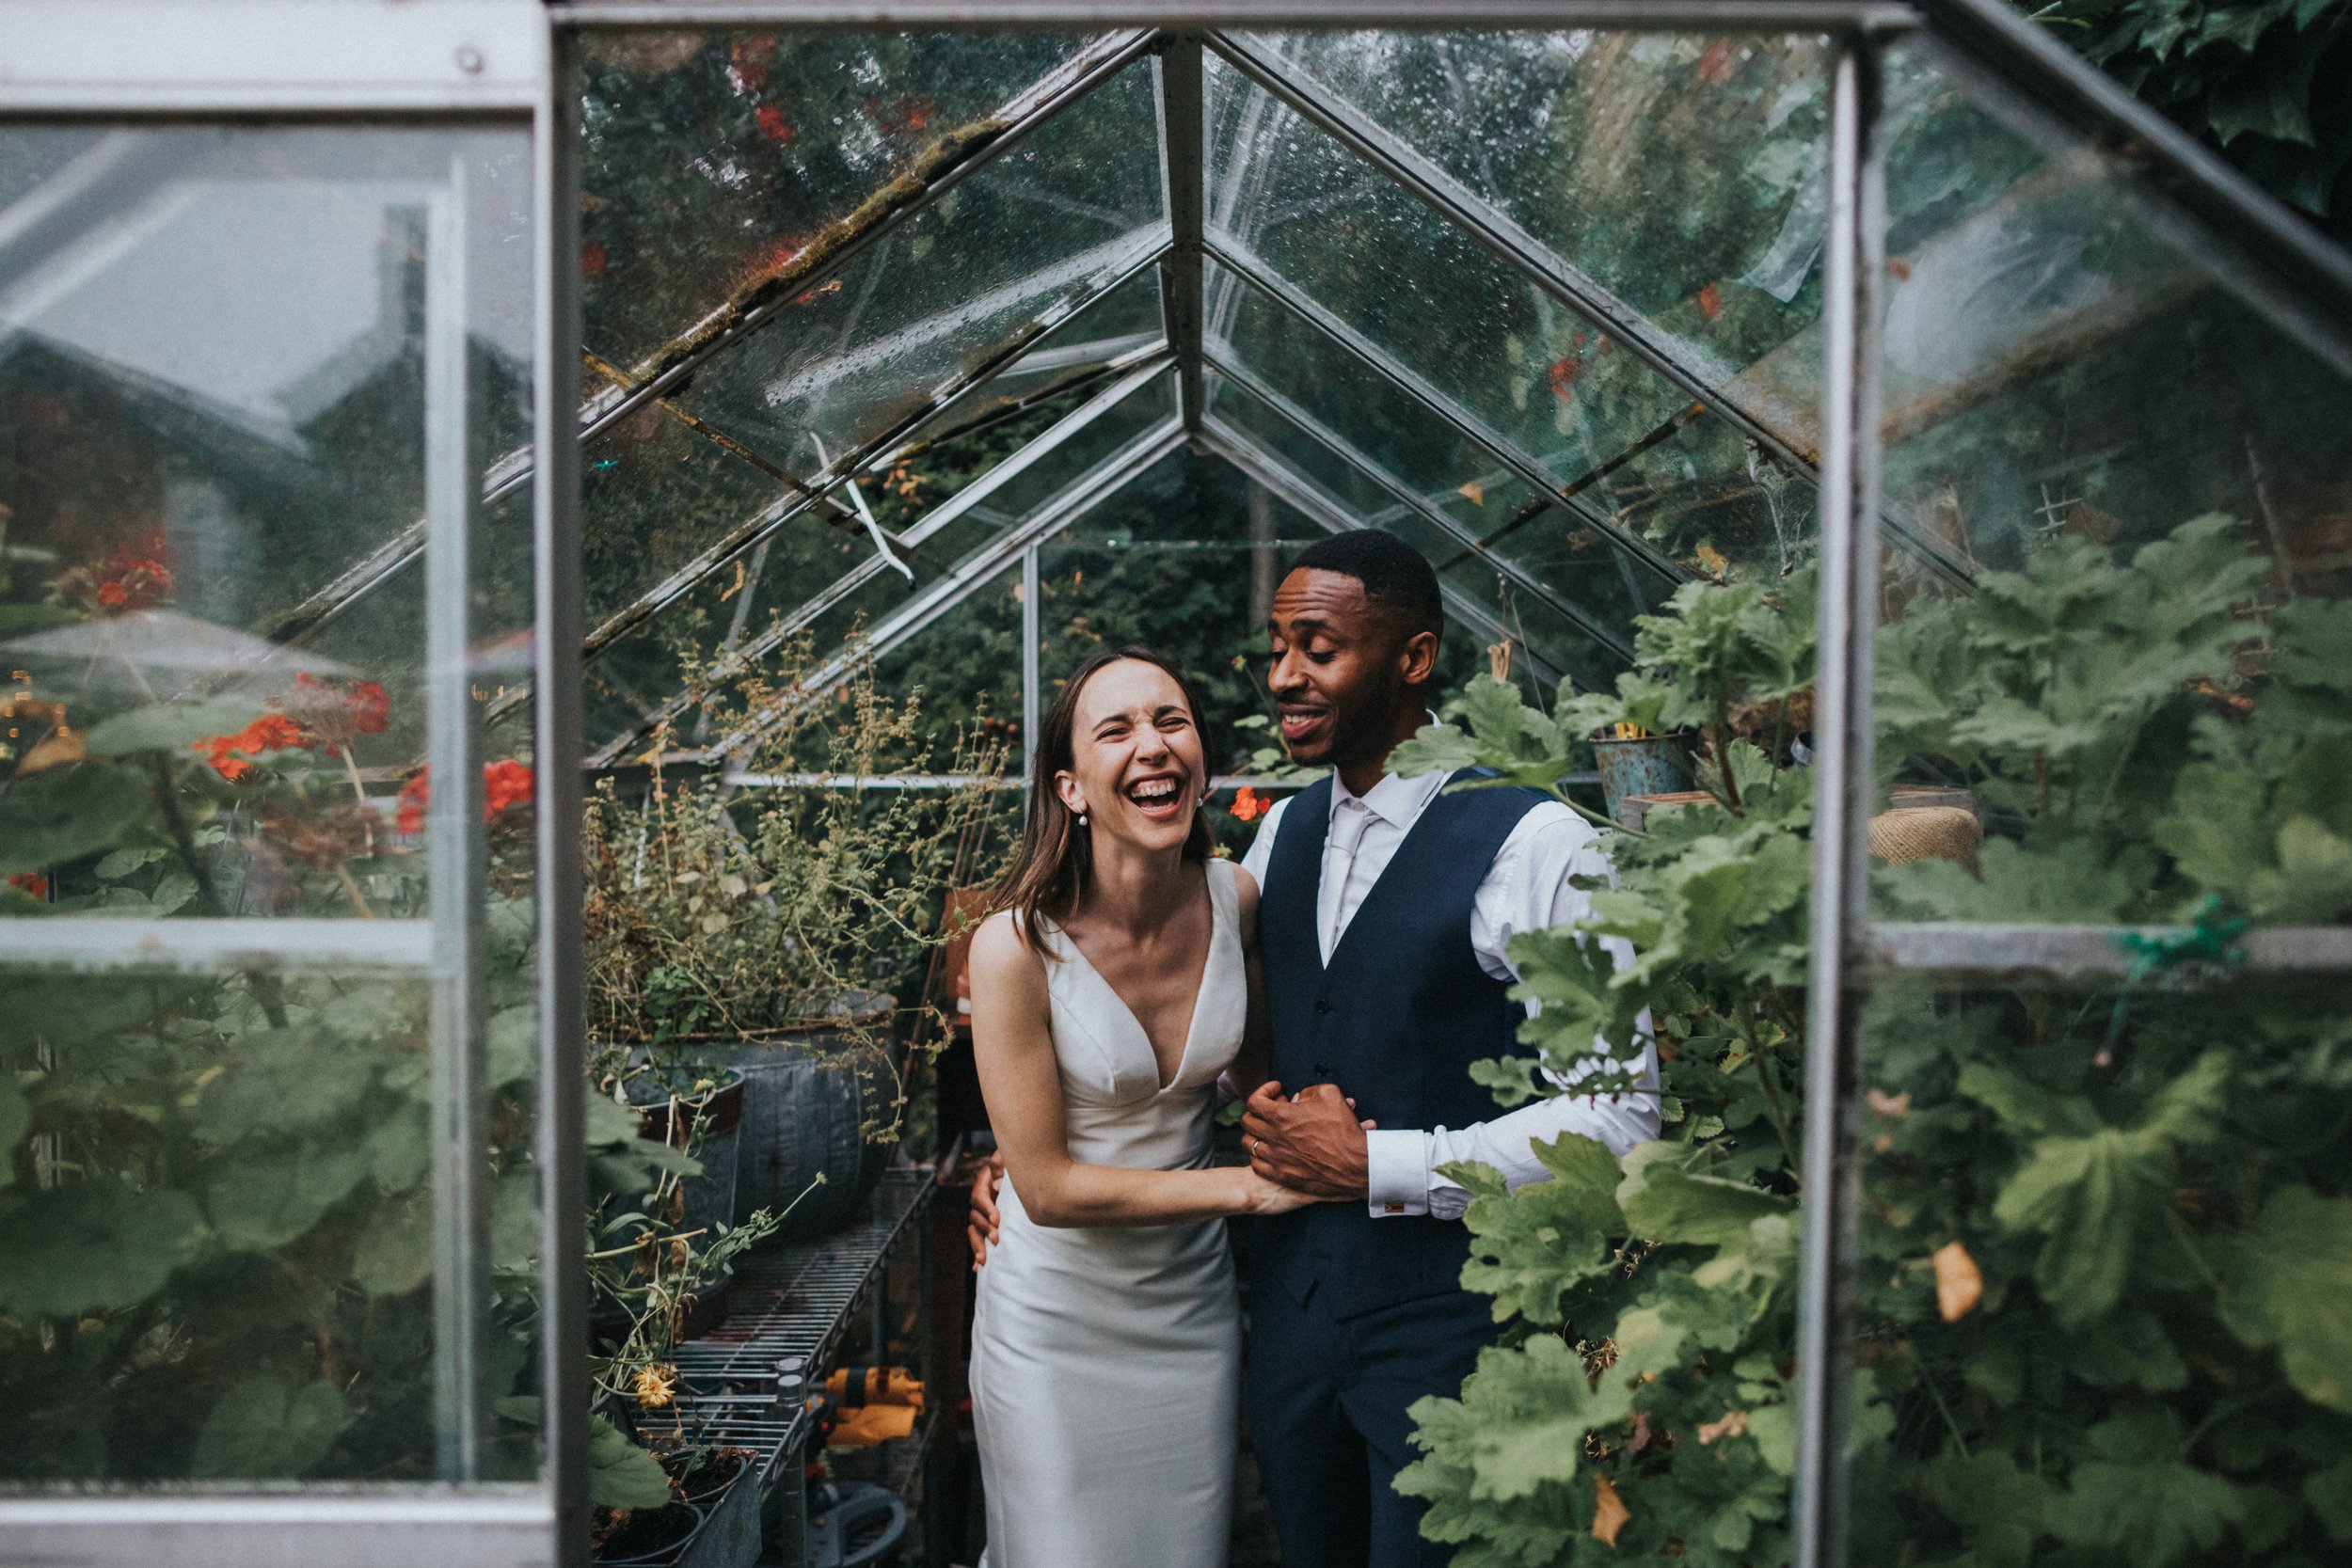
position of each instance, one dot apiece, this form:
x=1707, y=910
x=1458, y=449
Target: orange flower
x=232, y=755
x=415, y=796
x=1248, y=807
x=504, y=785
x=1710, y=302
x=772, y=123
x=32, y=883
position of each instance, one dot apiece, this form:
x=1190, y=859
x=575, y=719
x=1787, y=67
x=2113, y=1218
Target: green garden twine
x=2209, y=938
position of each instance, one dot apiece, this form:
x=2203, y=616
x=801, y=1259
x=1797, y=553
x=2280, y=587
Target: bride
x=1117, y=981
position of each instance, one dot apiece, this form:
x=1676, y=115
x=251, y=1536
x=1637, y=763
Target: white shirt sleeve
x=1527, y=888
x=1260, y=851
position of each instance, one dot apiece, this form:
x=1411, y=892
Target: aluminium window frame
x=487, y=64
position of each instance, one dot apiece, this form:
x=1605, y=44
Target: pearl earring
x=1082, y=819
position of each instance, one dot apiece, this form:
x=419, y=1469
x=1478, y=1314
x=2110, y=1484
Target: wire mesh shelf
x=798, y=1301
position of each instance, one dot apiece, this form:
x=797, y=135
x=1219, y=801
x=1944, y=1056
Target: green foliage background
x=2268, y=83
x=2149, y=1369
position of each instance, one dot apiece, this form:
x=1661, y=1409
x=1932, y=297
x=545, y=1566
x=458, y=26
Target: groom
x=1386, y=911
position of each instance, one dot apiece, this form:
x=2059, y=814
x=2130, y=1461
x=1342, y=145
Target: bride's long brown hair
x=1049, y=870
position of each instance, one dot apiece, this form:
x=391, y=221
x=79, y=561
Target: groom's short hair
x=1395, y=576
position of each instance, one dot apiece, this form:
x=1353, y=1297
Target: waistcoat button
x=1322, y=1006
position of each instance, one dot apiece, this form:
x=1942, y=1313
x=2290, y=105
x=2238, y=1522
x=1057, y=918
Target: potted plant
x=735, y=932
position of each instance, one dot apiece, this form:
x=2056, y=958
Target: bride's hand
x=1262, y=1197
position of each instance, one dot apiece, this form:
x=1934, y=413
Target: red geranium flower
x=504, y=785
x=415, y=796
x=32, y=883
x=336, y=711
x=1248, y=807
x=232, y=755
x=133, y=577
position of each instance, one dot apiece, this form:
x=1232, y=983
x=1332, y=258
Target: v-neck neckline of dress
x=1192, y=1020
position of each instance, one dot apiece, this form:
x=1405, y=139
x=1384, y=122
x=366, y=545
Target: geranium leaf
x=91, y=1246
x=264, y=1429
x=67, y=812
x=2285, y=1282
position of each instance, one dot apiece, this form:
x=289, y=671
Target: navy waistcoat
x=1396, y=1020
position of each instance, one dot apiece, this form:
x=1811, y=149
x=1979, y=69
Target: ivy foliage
x=2106, y=1239
x=2266, y=82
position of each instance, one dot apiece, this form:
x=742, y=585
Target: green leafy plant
x=2266, y=82
x=716, y=914
x=2104, y=1235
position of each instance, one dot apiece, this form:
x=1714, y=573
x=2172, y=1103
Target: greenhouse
x=540, y=540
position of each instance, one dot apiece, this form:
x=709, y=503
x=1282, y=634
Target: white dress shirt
x=1527, y=888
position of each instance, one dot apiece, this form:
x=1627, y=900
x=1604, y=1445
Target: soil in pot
x=810, y=1097
x=638, y=1535
x=714, y=1475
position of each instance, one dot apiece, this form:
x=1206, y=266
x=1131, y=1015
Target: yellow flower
x=655, y=1385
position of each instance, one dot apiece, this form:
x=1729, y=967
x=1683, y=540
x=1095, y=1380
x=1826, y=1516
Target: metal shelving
x=800, y=1301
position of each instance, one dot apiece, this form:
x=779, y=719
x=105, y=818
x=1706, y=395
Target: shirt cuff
x=1396, y=1172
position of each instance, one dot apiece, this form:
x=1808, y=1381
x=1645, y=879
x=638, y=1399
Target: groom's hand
x=982, y=1228
x=1312, y=1143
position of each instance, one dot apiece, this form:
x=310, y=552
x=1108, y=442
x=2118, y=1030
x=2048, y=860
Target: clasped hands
x=1311, y=1143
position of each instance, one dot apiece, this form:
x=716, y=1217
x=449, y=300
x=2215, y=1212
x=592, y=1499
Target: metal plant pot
x=1654, y=765
x=716, y=1115
x=810, y=1097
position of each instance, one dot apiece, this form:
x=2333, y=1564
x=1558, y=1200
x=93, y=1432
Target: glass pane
x=1062, y=215
x=1122, y=322
x=1385, y=427
x=2145, y=698
x=711, y=159
x=1275, y=433
x=967, y=665
x=2098, y=1237
x=212, y=405
x=1707, y=497
x=1050, y=478
x=2058, y=365
x=217, y=1256
x=654, y=494
x=1560, y=645
x=1681, y=172
x=649, y=665
x=1542, y=376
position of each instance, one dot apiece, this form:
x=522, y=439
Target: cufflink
x=1393, y=1207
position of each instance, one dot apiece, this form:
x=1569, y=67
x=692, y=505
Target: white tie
x=1347, y=837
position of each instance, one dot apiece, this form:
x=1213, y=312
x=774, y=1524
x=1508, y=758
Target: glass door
x=279, y=930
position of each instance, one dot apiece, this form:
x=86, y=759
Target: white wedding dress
x=1106, y=1362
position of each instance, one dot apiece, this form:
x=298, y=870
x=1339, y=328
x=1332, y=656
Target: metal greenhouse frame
x=516, y=64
